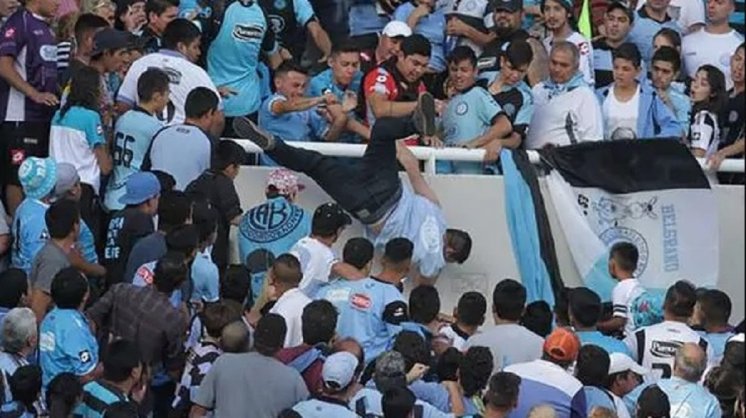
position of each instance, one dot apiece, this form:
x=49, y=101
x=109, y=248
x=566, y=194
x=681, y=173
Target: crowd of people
x=118, y=297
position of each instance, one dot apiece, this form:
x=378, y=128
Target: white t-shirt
x=586, y=53
x=576, y=112
x=316, y=261
x=183, y=74
x=702, y=47
x=622, y=296
x=705, y=132
x=685, y=12
x=654, y=347
x=621, y=117
x=455, y=335
x=290, y=306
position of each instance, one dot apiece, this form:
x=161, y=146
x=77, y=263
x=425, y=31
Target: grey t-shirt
x=250, y=382
x=182, y=151
x=47, y=263
x=509, y=344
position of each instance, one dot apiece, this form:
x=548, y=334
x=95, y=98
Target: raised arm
x=412, y=167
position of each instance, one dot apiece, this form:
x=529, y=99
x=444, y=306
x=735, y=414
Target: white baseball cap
x=622, y=363
x=395, y=29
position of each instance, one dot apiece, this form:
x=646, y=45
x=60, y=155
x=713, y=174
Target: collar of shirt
x=644, y=14
x=172, y=53
x=111, y=388
x=460, y=332
x=390, y=66
x=333, y=401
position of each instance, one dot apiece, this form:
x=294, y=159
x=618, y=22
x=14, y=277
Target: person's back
x=30, y=233
x=192, y=159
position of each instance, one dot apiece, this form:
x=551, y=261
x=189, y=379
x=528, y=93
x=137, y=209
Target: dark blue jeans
x=368, y=189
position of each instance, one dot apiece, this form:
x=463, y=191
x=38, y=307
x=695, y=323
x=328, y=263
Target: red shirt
x=312, y=375
x=386, y=80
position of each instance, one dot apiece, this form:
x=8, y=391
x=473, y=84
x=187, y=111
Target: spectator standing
x=507, y=19
x=618, y=21
x=547, y=381
x=290, y=20
x=648, y=20
x=231, y=387
x=123, y=376
x=20, y=340
x=177, y=58
x=28, y=87
x=733, y=120
x=566, y=110
x=427, y=18
x=585, y=311
x=386, y=46
x=366, y=19
x=205, y=275
x=16, y=293
x=424, y=308
x=624, y=376
x=340, y=374
x=284, y=277
x=502, y=395
x=371, y=310
x=318, y=324
x=160, y=13
x=469, y=316
x=592, y=369
x=472, y=119
x=140, y=200
x=145, y=316
x=630, y=109
x=107, y=57
x=653, y=403
x=511, y=92
x=558, y=16
x=216, y=186
x=508, y=303
x=278, y=223
x=714, y=44
x=66, y=343
x=538, y=318
x=689, y=15
x=654, y=347
x=86, y=26
x=398, y=403
x=29, y=231
x=63, y=224
x=623, y=258
x=134, y=131
x=233, y=65
x=194, y=139
x=63, y=395
x=708, y=100
x=712, y=312
x=25, y=385
x=664, y=71
x=688, y=398
x=7, y=8
x=466, y=25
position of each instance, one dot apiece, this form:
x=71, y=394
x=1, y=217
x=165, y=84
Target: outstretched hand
x=406, y=157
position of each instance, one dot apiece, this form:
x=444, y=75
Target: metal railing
x=431, y=155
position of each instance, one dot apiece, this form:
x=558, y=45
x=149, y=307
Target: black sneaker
x=246, y=129
x=424, y=115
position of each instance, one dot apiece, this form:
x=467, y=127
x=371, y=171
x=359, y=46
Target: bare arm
x=538, y=70
x=40, y=301
x=274, y=60
x=320, y=38
x=4, y=243
x=89, y=269
x=197, y=411
x=280, y=107
x=358, y=128
x=10, y=75
x=383, y=107
x=338, y=123
x=412, y=167
x=103, y=158
x=454, y=394
x=614, y=324
x=715, y=160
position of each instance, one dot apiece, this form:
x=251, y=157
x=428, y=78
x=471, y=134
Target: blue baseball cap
x=37, y=176
x=339, y=370
x=140, y=188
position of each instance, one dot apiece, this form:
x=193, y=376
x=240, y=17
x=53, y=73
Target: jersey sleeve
x=379, y=81
x=523, y=117
x=269, y=42
x=402, y=12
x=204, y=80
x=94, y=131
x=702, y=131
x=619, y=302
x=271, y=102
x=315, y=86
x=14, y=37
x=82, y=350
x=303, y=12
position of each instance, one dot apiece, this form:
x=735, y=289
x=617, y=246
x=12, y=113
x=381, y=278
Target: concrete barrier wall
x=476, y=204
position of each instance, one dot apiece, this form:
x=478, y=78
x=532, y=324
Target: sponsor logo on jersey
x=665, y=349
x=277, y=23
x=247, y=32
x=361, y=301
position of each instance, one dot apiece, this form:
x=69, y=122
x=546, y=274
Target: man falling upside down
x=372, y=191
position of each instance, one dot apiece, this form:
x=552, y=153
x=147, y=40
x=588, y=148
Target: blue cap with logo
x=140, y=188
x=37, y=176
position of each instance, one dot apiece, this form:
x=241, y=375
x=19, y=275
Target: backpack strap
x=305, y=360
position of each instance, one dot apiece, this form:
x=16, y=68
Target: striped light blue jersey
x=545, y=383
x=323, y=83
x=29, y=231
x=132, y=136
x=468, y=115
x=205, y=278
x=72, y=139
x=87, y=244
x=687, y=399
x=66, y=344
x=233, y=56
x=370, y=311
x=97, y=396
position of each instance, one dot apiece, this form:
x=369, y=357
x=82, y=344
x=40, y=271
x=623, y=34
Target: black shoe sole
x=246, y=129
x=425, y=114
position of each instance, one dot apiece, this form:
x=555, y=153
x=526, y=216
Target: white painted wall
x=476, y=204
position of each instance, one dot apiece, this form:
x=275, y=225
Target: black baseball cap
x=111, y=39
x=329, y=217
x=511, y=6
x=618, y=5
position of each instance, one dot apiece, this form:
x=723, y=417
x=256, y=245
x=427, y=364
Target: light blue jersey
x=323, y=83
x=275, y=225
x=233, y=56
x=98, y=395
x=591, y=397
x=717, y=341
x=132, y=136
x=205, y=278
x=303, y=125
x=66, y=344
x=87, y=244
x=370, y=311
x=73, y=138
x=431, y=27
x=363, y=18
x=145, y=275
x=687, y=399
x=682, y=106
x=610, y=344
x=29, y=231
x=644, y=29
x=367, y=403
x=422, y=222
x=317, y=408
x=468, y=115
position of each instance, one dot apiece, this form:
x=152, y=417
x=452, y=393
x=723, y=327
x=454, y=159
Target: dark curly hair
x=475, y=370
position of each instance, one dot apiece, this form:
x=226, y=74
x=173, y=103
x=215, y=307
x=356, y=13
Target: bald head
x=690, y=362
x=235, y=337
x=542, y=411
